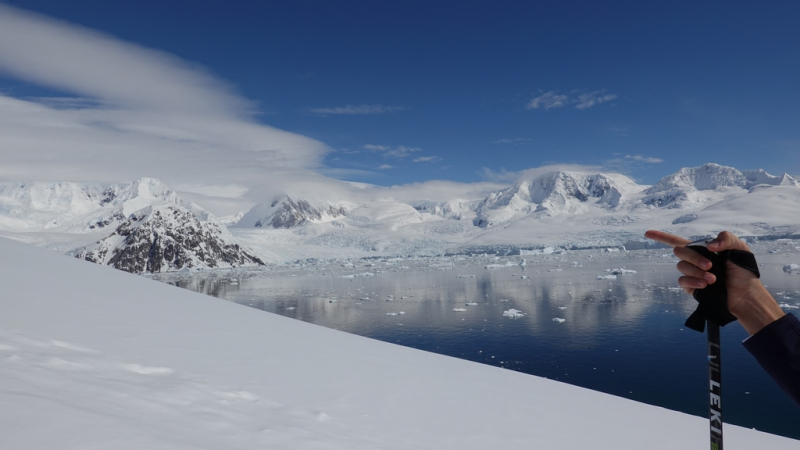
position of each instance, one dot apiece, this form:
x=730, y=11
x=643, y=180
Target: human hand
x=748, y=300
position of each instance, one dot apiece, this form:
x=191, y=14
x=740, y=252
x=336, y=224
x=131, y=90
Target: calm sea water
x=622, y=336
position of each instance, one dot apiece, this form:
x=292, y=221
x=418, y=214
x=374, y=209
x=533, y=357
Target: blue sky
x=401, y=92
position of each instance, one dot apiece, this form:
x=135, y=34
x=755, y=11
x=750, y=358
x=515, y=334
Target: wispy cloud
x=619, y=131
x=128, y=111
x=385, y=167
x=355, y=109
x=427, y=159
x=399, y=152
x=511, y=141
x=646, y=159
x=587, y=100
x=548, y=100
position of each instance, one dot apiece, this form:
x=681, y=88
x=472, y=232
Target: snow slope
x=91, y=357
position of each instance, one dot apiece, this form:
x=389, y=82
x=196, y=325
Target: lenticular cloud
x=125, y=111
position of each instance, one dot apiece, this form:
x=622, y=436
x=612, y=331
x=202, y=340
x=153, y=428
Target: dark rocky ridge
x=166, y=238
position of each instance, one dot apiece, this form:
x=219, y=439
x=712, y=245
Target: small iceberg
x=513, y=313
x=791, y=267
x=559, y=320
x=620, y=271
x=459, y=309
x=472, y=304
x=606, y=277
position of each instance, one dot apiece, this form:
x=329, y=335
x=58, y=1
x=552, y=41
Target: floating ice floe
x=365, y=274
x=504, y=300
x=524, y=277
x=788, y=306
x=620, y=271
x=559, y=320
x=472, y=304
x=459, y=309
x=391, y=314
x=501, y=266
x=554, y=270
x=465, y=276
x=513, y=313
x=562, y=307
x=290, y=308
x=791, y=267
x=606, y=277
x=401, y=313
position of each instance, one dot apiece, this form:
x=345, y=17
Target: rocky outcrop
x=288, y=213
x=167, y=237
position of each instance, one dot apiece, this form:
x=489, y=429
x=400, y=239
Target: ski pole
x=712, y=310
x=714, y=386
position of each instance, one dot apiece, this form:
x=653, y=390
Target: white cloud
x=129, y=112
x=355, y=109
x=585, y=101
x=399, y=152
x=548, y=100
x=427, y=159
x=385, y=167
x=581, y=101
x=644, y=159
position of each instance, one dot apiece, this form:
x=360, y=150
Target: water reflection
x=623, y=336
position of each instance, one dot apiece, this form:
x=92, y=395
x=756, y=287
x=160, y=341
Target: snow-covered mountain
x=555, y=193
x=72, y=207
x=566, y=208
x=167, y=237
x=684, y=188
x=284, y=212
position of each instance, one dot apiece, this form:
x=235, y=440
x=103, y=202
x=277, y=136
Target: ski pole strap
x=713, y=299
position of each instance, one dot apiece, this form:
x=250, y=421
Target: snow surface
x=92, y=357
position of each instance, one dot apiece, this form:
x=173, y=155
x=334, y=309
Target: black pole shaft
x=714, y=386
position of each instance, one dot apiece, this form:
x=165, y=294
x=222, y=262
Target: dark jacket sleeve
x=777, y=348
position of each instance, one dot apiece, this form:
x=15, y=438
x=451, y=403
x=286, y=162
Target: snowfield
x=92, y=357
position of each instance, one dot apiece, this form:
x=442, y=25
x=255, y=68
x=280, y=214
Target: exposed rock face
x=167, y=237
x=288, y=213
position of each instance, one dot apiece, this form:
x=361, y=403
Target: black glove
x=713, y=299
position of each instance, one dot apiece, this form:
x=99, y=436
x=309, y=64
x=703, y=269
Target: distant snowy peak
x=454, y=209
x=706, y=177
x=285, y=212
x=757, y=177
x=167, y=237
x=80, y=207
x=681, y=188
x=553, y=193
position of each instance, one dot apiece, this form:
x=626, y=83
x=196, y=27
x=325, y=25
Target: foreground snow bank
x=92, y=357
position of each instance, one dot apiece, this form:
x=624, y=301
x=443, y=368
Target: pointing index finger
x=666, y=238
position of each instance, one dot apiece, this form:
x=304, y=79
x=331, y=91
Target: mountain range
x=121, y=224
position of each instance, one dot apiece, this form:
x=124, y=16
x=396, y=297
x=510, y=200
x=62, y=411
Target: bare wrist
x=756, y=309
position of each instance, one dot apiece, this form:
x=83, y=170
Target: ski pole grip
x=712, y=299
